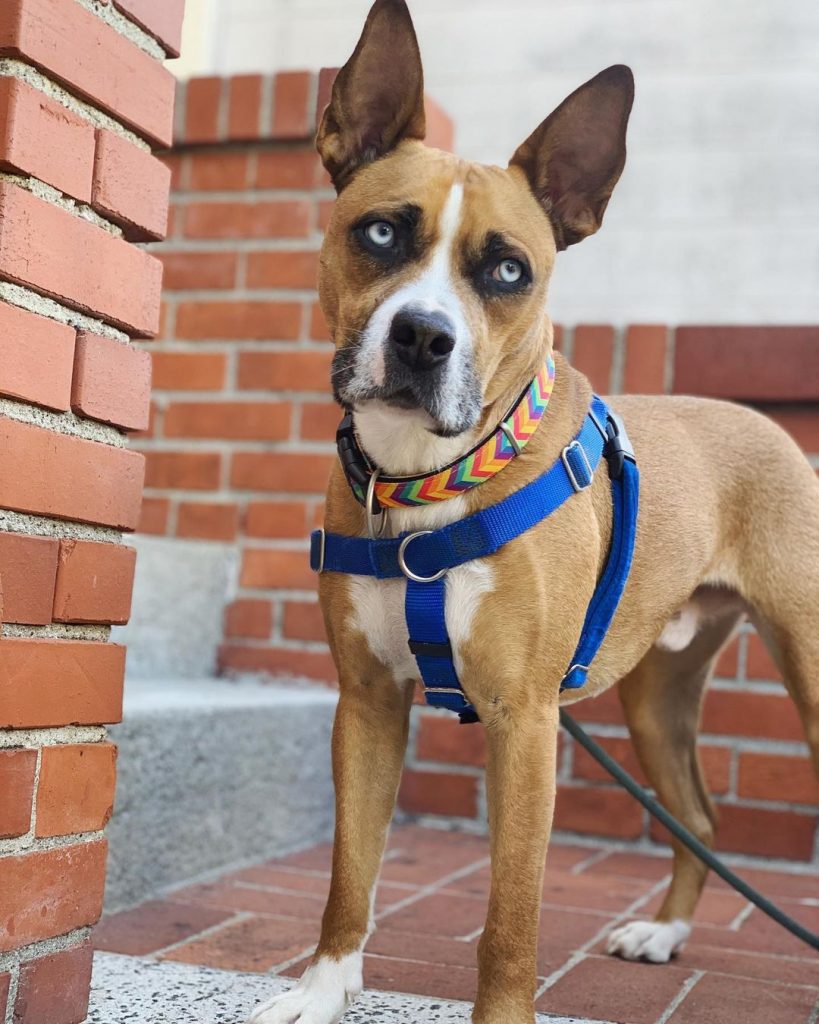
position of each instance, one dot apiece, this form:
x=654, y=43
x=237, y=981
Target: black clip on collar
x=353, y=461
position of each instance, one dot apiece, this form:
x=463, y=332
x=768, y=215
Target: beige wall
x=717, y=216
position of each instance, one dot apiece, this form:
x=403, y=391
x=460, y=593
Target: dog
x=434, y=279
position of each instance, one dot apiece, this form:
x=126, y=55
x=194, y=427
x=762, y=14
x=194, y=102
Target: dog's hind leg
x=661, y=699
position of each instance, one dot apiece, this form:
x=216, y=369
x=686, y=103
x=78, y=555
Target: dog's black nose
x=421, y=340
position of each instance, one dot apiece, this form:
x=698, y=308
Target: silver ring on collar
x=376, y=522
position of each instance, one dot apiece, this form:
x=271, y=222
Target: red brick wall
x=241, y=443
x=83, y=97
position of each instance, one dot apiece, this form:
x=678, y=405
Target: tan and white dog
x=452, y=259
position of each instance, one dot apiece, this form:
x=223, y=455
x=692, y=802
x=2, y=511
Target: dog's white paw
x=656, y=941
x=327, y=988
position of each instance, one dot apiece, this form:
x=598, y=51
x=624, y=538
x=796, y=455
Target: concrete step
x=214, y=772
x=149, y=992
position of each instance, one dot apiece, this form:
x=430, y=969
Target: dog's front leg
x=369, y=741
x=521, y=771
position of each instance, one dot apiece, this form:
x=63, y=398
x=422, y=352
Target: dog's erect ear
x=573, y=160
x=378, y=96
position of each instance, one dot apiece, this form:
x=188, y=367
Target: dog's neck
x=401, y=442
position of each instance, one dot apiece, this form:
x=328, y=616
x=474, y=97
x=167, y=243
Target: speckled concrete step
x=213, y=772
x=130, y=990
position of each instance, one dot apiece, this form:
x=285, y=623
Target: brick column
x=83, y=97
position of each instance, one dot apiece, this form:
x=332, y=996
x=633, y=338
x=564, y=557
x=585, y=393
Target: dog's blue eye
x=381, y=233
x=508, y=271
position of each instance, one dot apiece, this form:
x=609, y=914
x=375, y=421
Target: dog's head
x=434, y=270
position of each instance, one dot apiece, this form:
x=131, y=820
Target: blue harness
x=424, y=557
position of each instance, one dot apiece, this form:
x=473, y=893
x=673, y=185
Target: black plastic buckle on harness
x=353, y=462
x=617, y=447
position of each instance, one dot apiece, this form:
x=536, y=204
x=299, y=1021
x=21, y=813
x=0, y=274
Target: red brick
x=193, y=471
x=249, y=421
x=94, y=582
x=319, y=421
x=319, y=331
x=728, y=661
x=202, y=100
x=447, y=741
x=248, y=617
x=716, y=762
x=593, y=354
x=219, y=170
x=279, y=218
x=76, y=788
x=55, y=988
x=112, y=382
x=53, y=474
x=777, y=777
x=17, y=770
x=36, y=358
x=276, y=519
x=292, y=113
x=605, y=708
x=5, y=985
x=282, y=269
x=296, y=168
x=801, y=422
x=177, y=164
x=724, y=1000
x=245, y=107
x=194, y=270
x=440, y=126
x=281, y=471
x=740, y=713
x=759, y=832
x=303, y=621
x=598, y=811
x=51, y=892
x=644, y=370
x=285, y=371
x=154, y=925
x=40, y=137
x=28, y=569
x=154, y=516
x=439, y=793
x=750, y=363
x=76, y=47
x=161, y=19
x=759, y=663
x=68, y=258
x=189, y=371
x=130, y=188
x=275, y=321
x=207, y=521
x=607, y=989
x=270, y=568
x=278, y=661
x=46, y=683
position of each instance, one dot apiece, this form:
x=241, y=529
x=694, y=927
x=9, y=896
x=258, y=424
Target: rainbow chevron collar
x=486, y=459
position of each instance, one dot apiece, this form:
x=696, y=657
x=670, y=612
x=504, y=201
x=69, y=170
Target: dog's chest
x=378, y=605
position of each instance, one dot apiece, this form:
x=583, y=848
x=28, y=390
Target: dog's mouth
x=451, y=402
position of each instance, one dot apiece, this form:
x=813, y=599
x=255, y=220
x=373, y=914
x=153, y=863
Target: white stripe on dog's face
x=433, y=291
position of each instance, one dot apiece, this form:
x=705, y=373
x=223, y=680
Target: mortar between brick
x=56, y=198
x=42, y=526
x=62, y=423
x=26, y=298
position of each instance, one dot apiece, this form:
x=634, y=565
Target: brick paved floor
x=738, y=966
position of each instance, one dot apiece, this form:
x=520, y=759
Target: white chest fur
x=379, y=604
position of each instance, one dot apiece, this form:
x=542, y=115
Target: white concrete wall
x=716, y=218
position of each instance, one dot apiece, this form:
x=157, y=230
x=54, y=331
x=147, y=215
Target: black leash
x=682, y=833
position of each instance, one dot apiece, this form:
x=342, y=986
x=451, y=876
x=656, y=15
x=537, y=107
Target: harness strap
x=425, y=556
